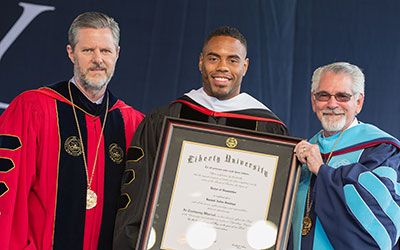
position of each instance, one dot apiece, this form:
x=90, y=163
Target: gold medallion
x=91, y=199
x=307, y=224
x=73, y=146
x=231, y=142
x=116, y=153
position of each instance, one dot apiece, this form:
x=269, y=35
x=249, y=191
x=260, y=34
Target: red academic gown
x=43, y=180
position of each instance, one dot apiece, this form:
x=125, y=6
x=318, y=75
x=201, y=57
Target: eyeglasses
x=324, y=96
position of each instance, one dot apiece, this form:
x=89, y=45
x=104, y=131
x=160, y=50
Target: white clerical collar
x=96, y=102
x=240, y=102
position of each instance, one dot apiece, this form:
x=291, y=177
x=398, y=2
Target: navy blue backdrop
x=161, y=41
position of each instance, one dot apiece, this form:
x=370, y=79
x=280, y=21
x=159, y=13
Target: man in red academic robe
x=63, y=149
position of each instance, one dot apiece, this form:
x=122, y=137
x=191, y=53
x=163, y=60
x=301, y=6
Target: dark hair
x=94, y=20
x=226, y=31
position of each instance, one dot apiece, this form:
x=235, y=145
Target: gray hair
x=94, y=20
x=339, y=68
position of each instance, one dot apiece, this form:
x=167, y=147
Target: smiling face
x=336, y=116
x=94, y=58
x=223, y=64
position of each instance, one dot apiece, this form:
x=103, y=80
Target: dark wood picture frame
x=177, y=131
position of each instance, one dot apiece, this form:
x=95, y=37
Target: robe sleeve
x=19, y=136
x=273, y=127
x=358, y=205
x=136, y=180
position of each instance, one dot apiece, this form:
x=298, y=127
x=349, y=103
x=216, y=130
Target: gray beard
x=93, y=87
x=333, y=125
x=89, y=85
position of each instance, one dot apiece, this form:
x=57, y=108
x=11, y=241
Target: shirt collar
x=354, y=123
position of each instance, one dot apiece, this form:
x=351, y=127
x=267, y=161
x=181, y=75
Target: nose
x=97, y=57
x=222, y=66
x=332, y=103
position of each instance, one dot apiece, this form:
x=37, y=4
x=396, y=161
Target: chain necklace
x=91, y=196
x=307, y=221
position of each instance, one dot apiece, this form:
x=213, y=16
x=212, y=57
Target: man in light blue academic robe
x=349, y=192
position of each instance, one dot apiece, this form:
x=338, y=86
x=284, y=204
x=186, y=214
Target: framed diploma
x=218, y=187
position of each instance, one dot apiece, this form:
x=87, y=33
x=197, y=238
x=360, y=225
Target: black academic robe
x=142, y=152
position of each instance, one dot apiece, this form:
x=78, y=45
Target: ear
x=359, y=103
x=201, y=61
x=313, y=101
x=70, y=52
x=246, y=65
x=117, y=52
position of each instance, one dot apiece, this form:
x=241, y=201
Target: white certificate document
x=223, y=190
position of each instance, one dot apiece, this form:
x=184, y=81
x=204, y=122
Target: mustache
x=333, y=112
x=97, y=66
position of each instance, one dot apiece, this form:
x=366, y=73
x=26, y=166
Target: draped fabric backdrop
x=161, y=41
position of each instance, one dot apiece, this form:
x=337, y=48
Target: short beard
x=89, y=85
x=332, y=124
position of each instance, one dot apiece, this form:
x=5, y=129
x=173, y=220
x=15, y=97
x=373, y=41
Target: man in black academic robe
x=223, y=64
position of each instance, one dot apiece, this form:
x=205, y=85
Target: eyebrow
x=213, y=54
x=326, y=92
x=217, y=55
